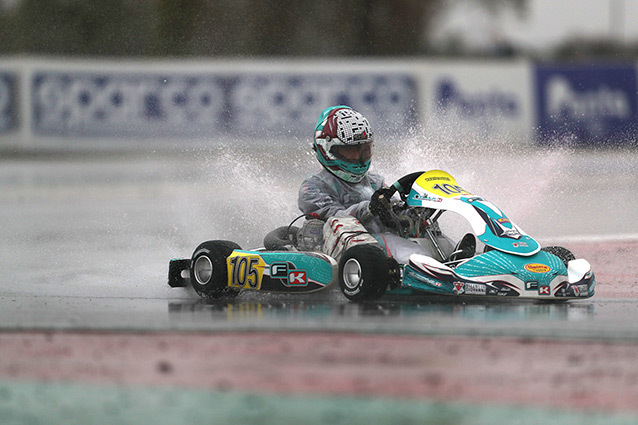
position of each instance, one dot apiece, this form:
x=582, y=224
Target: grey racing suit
x=327, y=196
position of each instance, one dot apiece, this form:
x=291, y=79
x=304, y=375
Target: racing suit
x=327, y=196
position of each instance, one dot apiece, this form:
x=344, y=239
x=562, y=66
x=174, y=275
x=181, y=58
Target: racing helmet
x=343, y=143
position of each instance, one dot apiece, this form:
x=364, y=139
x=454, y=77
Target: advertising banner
x=478, y=102
x=176, y=105
x=587, y=104
x=8, y=107
x=114, y=105
x=291, y=103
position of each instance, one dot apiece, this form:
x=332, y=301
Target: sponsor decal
x=418, y=276
x=531, y=285
x=506, y=289
x=492, y=291
x=517, y=244
x=544, y=290
x=429, y=179
x=511, y=233
x=503, y=220
x=428, y=198
x=475, y=289
x=428, y=280
x=458, y=287
x=288, y=274
x=279, y=270
x=297, y=278
x=537, y=268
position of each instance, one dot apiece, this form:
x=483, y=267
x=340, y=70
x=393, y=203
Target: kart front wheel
x=564, y=254
x=208, y=270
x=364, y=273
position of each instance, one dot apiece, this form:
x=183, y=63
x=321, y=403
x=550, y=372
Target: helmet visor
x=355, y=154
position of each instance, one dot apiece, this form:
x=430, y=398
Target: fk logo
x=288, y=274
x=543, y=290
x=297, y=278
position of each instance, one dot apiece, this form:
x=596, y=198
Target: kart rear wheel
x=563, y=253
x=364, y=273
x=208, y=270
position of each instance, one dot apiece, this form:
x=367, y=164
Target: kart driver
x=343, y=142
x=343, y=145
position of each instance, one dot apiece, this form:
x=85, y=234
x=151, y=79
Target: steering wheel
x=382, y=206
x=404, y=184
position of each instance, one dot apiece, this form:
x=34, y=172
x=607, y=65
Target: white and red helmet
x=343, y=143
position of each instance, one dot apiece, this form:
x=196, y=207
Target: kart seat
x=283, y=238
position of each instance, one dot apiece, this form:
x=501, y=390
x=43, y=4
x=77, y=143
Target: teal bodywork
x=500, y=274
x=498, y=263
x=500, y=233
x=283, y=271
x=319, y=270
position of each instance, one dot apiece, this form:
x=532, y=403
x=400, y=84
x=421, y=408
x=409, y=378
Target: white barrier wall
x=478, y=101
x=90, y=104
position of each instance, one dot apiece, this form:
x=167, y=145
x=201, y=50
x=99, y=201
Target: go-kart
x=312, y=258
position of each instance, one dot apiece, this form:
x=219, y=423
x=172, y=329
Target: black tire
x=208, y=271
x=364, y=273
x=563, y=253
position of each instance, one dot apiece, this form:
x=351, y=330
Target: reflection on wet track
x=434, y=316
x=303, y=311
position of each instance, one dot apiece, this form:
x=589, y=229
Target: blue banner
x=8, y=104
x=147, y=105
x=587, y=104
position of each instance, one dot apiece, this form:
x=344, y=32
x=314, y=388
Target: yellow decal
x=537, y=268
x=245, y=270
x=440, y=183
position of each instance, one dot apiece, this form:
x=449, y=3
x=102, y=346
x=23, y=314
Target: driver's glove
x=380, y=206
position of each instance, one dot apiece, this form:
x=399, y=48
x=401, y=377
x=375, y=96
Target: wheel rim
x=352, y=273
x=203, y=269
